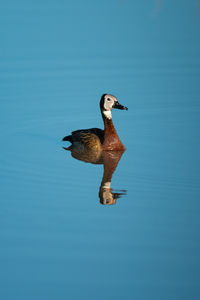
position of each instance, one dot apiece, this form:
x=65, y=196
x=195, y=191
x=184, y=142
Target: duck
x=96, y=139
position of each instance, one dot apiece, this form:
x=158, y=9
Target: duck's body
x=98, y=139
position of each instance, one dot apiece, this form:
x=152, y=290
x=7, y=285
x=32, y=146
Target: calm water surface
x=57, y=239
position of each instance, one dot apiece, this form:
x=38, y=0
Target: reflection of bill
x=110, y=160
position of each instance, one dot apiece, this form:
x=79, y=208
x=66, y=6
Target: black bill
x=119, y=106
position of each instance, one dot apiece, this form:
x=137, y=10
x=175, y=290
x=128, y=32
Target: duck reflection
x=110, y=160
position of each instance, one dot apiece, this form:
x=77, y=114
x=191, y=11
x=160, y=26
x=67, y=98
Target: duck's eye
x=108, y=99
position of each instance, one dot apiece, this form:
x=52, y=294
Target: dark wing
x=84, y=132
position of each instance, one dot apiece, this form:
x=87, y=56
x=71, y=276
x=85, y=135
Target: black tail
x=68, y=138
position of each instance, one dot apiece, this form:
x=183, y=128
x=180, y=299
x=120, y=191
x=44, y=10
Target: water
x=57, y=240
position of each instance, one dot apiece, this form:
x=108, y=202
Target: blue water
x=57, y=241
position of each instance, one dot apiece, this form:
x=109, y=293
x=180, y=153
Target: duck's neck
x=111, y=138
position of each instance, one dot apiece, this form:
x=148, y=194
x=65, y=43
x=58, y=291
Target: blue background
x=56, y=59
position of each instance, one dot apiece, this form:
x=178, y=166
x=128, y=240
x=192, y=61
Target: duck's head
x=107, y=103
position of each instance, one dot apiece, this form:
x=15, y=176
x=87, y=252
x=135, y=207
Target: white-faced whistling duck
x=98, y=139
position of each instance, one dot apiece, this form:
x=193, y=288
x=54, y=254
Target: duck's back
x=83, y=132
x=90, y=138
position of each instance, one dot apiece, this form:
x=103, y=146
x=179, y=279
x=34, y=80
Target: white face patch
x=107, y=114
x=109, y=101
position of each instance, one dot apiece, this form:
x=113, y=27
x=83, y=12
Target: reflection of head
x=107, y=197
